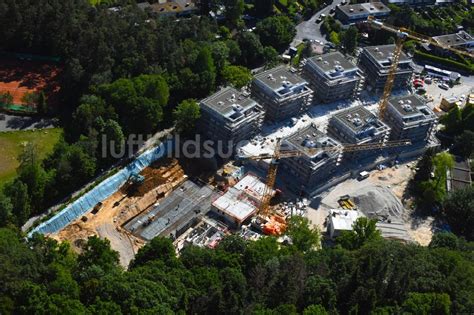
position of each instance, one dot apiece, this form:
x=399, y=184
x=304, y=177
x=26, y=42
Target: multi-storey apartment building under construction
x=357, y=125
x=230, y=116
x=313, y=167
x=332, y=76
x=376, y=61
x=282, y=93
x=409, y=118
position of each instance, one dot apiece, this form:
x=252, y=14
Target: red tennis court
x=20, y=76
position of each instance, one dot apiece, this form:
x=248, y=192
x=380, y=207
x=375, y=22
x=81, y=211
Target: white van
x=363, y=175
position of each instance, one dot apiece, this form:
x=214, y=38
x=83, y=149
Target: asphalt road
x=309, y=29
x=12, y=123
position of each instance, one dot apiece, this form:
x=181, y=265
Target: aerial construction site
x=345, y=152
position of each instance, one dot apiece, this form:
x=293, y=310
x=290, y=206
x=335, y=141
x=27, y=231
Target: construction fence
x=99, y=193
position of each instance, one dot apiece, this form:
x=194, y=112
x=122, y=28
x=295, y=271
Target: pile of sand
x=378, y=201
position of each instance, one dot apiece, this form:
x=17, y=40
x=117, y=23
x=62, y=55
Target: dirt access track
x=160, y=179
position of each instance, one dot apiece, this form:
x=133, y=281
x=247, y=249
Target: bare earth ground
x=388, y=183
x=122, y=206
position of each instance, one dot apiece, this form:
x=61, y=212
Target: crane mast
x=402, y=34
x=279, y=154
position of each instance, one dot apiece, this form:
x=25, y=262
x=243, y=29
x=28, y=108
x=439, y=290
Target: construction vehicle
x=403, y=34
x=346, y=203
x=273, y=223
x=133, y=182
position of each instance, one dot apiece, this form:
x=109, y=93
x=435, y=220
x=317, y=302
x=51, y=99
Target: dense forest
x=239, y=277
x=124, y=73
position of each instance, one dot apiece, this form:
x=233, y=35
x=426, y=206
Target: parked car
x=332, y=11
x=319, y=20
x=344, y=2
x=443, y=86
x=322, y=16
x=363, y=175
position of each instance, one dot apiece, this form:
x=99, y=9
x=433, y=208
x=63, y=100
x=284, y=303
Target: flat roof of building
x=332, y=62
x=455, y=39
x=342, y=220
x=384, y=53
x=310, y=138
x=410, y=105
x=186, y=202
x=229, y=101
x=279, y=78
x=364, y=8
x=252, y=186
x=358, y=118
x=233, y=204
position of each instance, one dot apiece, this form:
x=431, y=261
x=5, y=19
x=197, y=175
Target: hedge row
x=445, y=61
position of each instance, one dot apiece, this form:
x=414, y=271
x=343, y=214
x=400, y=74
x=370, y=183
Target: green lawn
x=12, y=143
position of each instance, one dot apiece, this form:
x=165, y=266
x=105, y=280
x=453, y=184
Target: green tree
x=6, y=209
x=458, y=209
x=97, y=252
x=30, y=99
x=6, y=98
x=186, y=115
x=33, y=175
x=427, y=303
x=364, y=230
x=251, y=48
x=442, y=162
x=206, y=69
x=264, y=8
x=270, y=57
x=304, y=237
x=276, y=31
x=334, y=38
x=233, y=11
x=42, y=103
x=315, y=310
x=464, y=144
x=158, y=248
x=139, y=102
x=234, y=50
x=444, y=239
x=452, y=121
x=220, y=54
x=17, y=191
x=238, y=76
x=349, y=39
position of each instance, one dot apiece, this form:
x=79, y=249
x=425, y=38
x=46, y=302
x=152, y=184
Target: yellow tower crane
x=402, y=34
x=279, y=153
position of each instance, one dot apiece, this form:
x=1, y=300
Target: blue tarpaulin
x=99, y=193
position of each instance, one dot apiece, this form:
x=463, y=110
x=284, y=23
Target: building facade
x=376, y=61
x=409, y=118
x=357, y=125
x=312, y=168
x=282, y=93
x=460, y=40
x=353, y=13
x=332, y=77
x=230, y=116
